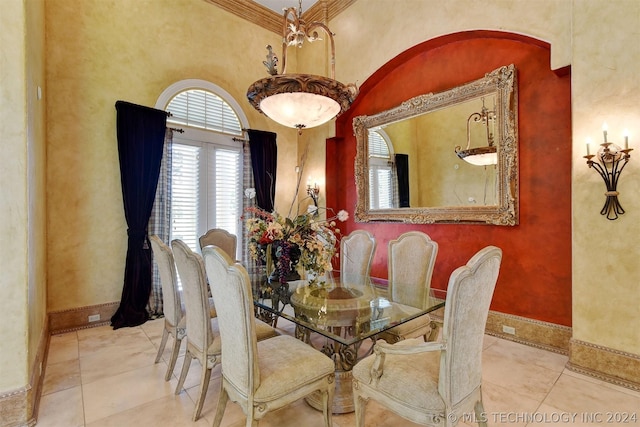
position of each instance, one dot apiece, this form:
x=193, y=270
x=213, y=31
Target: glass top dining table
x=344, y=313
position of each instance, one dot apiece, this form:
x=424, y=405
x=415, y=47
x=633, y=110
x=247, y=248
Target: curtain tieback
x=138, y=236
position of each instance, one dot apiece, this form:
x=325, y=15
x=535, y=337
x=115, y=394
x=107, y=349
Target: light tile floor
x=99, y=377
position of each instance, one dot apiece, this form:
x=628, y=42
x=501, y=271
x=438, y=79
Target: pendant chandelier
x=300, y=100
x=485, y=155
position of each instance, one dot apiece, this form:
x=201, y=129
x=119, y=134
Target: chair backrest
x=222, y=239
x=356, y=255
x=465, y=316
x=171, y=301
x=235, y=319
x=194, y=288
x=411, y=259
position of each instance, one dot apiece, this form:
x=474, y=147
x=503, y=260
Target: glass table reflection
x=336, y=318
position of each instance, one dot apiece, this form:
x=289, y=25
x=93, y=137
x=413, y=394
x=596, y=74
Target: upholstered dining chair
x=436, y=383
x=266, y=375
x=222, y=239
x=173, y=305
x=411, y=258
x=356, y=255
x=203, y=335
x=174, y=320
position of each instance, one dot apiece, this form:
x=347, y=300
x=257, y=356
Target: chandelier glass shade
x=300, y=100
x=479, y=156
x=485, y=155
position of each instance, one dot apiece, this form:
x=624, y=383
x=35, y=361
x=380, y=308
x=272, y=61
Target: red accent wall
x=535, y=277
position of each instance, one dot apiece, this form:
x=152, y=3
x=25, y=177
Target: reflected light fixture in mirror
x=300, y=100
x=443, y=118
x=485, y=155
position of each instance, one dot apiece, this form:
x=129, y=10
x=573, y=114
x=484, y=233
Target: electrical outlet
x=508, y=330
x=94, y=318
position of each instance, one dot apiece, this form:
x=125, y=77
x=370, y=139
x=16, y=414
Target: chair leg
x=204, y=384
x=359, y=405
x=163, y=343
x=174, y=356
x=185, y=371
x=327, y=403
x=481, y=416
x=222, y=404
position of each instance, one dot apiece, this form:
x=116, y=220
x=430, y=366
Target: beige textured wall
x=22, y=190
x=36, y=175
x=606, y=88
x=365, y=41
x=99, y=52
x=13, y=198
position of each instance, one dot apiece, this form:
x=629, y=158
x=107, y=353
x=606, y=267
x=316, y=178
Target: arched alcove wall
x=535, y=278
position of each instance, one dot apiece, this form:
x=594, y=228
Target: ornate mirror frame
x=501, y=83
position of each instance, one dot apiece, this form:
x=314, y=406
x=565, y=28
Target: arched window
x=205, y=183
x=201, y=109
x=381, y=178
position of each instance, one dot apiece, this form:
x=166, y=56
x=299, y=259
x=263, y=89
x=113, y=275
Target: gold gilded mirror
x=449, y=157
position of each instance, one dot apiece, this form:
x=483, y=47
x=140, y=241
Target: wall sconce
x=313, y=192
x=610, y=161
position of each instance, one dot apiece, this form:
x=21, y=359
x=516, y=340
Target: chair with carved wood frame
x=174, y=320
x=221, y=238
x=267, y=375
x=356, y=255
x=203, y=335
x=436, y=383
x=411, y=259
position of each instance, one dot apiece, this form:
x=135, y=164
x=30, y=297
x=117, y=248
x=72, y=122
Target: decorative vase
x=286, y=258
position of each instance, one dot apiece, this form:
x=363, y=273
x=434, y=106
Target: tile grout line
x=555, y=382
x=84, y=411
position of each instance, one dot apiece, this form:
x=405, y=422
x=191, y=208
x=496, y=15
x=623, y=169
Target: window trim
x=170, y=92
x=205, y=138
x=382, y=163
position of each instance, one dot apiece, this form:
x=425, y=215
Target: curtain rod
x=177, y=130
x=240, y=139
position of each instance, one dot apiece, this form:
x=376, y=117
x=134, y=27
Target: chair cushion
x=286, y=364
x=411, y=329
x=409, y=379
x=263, y=331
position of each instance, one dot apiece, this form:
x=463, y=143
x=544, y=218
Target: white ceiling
x=279, y=5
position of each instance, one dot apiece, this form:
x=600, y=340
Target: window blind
x=205, y=110
x=380, y=172
x=185, y=193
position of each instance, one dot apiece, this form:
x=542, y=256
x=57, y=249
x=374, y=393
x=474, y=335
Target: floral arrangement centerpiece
x=284, y=243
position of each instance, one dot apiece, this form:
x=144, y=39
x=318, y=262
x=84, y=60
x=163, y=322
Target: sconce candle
x=313, y=192
x=610, y=161
x=588, y=144
x=626, y=139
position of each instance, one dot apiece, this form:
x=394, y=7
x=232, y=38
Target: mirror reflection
x=449, y=157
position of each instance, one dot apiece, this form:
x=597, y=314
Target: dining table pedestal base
x=342, y=398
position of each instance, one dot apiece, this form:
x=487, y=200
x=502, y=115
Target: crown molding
x=322, y=11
